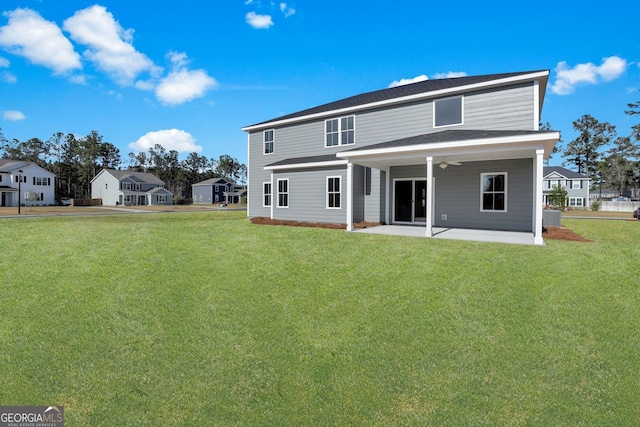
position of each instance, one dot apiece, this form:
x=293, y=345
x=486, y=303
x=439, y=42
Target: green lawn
x=205, y=319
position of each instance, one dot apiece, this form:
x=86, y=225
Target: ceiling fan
x=444, y=164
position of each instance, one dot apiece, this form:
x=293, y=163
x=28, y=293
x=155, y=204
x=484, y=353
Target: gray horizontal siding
x=202, y=194
x=307, y=196
x=457, y=194
x=374, y=199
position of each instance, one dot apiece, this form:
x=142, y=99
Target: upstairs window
x=494, y=192
x=340, y=131
x=269, y=136
x=447, y=112
x=576, y=184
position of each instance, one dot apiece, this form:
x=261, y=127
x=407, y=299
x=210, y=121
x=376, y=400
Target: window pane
x=487, y=202
x=487, y=183
x=498, y=203
x=448, y=111
x=498, y=183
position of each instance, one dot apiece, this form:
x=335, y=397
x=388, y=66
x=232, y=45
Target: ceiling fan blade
x=454, y=163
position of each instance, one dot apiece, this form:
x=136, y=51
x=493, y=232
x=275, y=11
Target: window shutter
x=48, y=181
x=34, y=180
x=581, y=182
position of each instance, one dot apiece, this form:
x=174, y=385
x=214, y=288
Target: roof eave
x=550, y=138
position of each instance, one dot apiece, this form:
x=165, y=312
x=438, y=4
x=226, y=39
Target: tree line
x=75, y=161
x=616, y=167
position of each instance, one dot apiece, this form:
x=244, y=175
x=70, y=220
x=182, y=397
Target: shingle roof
x=399, y=92
x=7, y=165
x=303, y=160
x=211, y=181
x=449, y=136
x=562, y=171
x=144, y=176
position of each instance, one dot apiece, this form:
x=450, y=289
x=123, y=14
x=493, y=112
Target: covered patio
x=457, y=147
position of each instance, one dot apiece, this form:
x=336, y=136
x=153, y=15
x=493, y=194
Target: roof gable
x=139, y=177
x=553, y=172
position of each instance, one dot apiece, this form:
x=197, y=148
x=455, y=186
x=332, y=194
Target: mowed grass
x=205, y=319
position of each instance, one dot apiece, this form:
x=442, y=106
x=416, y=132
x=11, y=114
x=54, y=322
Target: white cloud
x=288, y=11
x=28, y=35
x=178, y=59
x=568, y=78
x=170, y=139
x=109, y=45
x=8, y=77
x=184, y=85
x=450, y=75
x=78, y=79
x=4, y=62
x=13, y=115
x=403, y=82
x=259, y=21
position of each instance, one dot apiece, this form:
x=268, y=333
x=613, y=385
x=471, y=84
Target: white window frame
x=265, y=142
x=573, y=202
x=435, y=111
x=505, y=192
x=340, y=131
x=265, y=194
x=334, y=192
x=574, y=186
x=161, y=198
x=283, y=193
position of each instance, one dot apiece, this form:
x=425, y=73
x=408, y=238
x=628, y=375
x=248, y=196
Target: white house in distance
x=576, y=184
x=116, y=187
x=28, y=178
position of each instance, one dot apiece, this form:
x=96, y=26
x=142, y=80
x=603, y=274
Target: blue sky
x=189, y=74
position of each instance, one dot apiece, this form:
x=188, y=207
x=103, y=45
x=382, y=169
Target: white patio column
x=429, y=229
x=274, y=195
x=349, y=196
x=387, y=195
x=538, y=171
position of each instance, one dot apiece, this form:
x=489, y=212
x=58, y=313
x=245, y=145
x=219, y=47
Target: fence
x=87, y=202
x=618, y=206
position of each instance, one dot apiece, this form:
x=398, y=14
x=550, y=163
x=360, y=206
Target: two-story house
x=121, y=187
x=576, y=184
x=35, y=184
x=456, y=153
x=217, y=190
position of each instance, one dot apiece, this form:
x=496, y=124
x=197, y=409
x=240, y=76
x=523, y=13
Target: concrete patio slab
x=511, y=237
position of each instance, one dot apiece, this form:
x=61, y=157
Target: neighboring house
x=36, y=184
x=576, y=184
x=457, y=153
x=116, y=187
x=217, y=190
x=603, y=194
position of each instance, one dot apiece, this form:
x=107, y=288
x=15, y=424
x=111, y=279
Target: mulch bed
x=268, y=221
x=561, y=233
x=554, y=233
